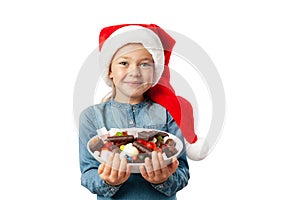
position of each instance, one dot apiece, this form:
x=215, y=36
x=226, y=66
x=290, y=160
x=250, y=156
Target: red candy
x=142, y=141
x=150, y=145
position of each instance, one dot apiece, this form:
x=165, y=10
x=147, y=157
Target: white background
x=255, y=46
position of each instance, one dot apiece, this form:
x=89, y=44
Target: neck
x=131, y=101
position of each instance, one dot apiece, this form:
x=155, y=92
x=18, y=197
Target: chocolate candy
x=121, y=139
x=149, y=135
x=162, y=134
x=159, y=144
x=119, y=144
x=141, y=147
x=169, y=151
x=115, y=149
x=170, y=142
x=96, y=144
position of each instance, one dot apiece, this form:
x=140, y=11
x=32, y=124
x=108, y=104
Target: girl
x=134, y=58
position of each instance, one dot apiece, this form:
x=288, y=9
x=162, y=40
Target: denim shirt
x=113, y=114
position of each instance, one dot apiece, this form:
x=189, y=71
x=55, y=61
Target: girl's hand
x=115, y=171
x=156, y=171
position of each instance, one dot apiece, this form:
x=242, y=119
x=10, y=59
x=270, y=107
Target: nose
x=134, y=70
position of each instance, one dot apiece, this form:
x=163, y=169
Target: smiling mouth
x=133, y=82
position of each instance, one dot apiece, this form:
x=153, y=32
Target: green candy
x=119, y=134
x=159, y=138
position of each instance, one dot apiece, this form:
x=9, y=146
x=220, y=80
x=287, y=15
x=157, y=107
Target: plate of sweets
x=134, y=144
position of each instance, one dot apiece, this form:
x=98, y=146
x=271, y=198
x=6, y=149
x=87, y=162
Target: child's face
x=131, y=71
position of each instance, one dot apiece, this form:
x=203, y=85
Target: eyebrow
x=148, y=59
x=140, y=59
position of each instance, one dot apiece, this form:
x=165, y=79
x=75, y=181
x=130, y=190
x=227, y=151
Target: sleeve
x=179, y=179
x=88, y=165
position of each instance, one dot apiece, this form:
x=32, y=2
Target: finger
x=155, y=161
x=128, y=172
x=143, y=171
x=149, y=167
x=161, y=160
x=101, y=168
x=115, y=166
x=110, y=159
x=163, y=165
x=156, y=165
x=107, y=169
x=175, y=162
x=123, y=167
x=173, y=166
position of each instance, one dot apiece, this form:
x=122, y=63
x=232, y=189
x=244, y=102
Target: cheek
x=148, y=75
x=117, y=76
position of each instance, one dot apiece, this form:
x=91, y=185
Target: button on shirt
x=131, y=122
x=113, y=114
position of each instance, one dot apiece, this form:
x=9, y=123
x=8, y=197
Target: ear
x=110, y=74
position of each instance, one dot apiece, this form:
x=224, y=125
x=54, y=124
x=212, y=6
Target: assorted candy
x=135, y=149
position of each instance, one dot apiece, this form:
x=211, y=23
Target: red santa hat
x=131, y=34
x=160, y=45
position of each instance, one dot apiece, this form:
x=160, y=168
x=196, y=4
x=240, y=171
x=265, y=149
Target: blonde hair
x=109, y=95
x=112, y=93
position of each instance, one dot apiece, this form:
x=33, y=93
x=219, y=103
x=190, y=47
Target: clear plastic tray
x=99, y=139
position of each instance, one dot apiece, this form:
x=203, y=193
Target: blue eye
x=146, y=64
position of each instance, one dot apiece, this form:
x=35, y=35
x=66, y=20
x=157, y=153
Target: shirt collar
x=117, y=104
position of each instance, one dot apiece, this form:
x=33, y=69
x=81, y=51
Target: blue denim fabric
x=113, y=114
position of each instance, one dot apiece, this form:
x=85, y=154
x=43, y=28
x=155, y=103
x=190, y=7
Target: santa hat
x=132, y=34
x=160, y=45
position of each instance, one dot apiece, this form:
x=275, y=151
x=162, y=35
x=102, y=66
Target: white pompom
x=198, y=150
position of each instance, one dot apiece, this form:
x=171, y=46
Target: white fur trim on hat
x=132, y=34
